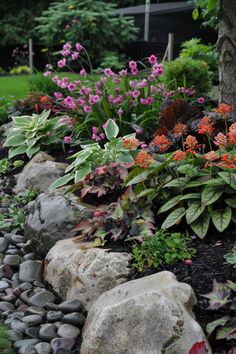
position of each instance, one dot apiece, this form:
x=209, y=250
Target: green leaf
x=229, y=178
x=221, y=218
x=15, y=140
x=214, y=324
x=112, y=129
x=82, y=172
x=32, y=150
x=195, y=14
x=210, y=194
x=211, y=4
x=146, y=192
x=188, y=170
x=139, y=178
x=17, y=151
x=169, y=205
x=178, y=182
x=125, y=158
x=174, y=218
x=201, y=225
x=231, y=202
x=61, y=181
x=231, y=285
x=194, y=211
x=191, y=196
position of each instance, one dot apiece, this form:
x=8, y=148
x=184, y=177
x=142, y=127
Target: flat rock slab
x=84, y=273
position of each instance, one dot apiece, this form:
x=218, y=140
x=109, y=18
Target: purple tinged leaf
x=214, y=324
x=219, y=296
x=227, y=333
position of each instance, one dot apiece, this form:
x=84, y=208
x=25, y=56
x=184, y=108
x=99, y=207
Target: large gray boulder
x=39, y=173
x=151, y=315
x=50, y=218
x=75, y=270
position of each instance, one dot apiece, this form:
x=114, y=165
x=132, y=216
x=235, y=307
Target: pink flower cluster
x=96, y=136
x=66, y=120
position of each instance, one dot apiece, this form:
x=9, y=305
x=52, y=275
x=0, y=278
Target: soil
x=208, y=264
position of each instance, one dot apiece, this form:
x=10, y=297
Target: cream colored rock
x=76, y=271
x=39, y=173
x=151, y=315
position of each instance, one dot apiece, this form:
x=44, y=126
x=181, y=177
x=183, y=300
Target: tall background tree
x=226, y=10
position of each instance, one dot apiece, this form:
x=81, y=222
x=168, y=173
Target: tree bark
x=227, y=50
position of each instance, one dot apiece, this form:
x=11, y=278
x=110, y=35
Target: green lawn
x=16, y=86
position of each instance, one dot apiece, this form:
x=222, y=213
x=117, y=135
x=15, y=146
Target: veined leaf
x=194, y=211
x=32, y=150
x=170, y=204
x=188, y=170
x=191, y=196
x=226, y=332
x=17, y=151
x=221, y=218
x=201, y=225
x=178, y=182
x=229, y=178
x=174, y=218
x=210, y=194
x=231, y=202
x=214, y=324
x=139, y=178
x=82, y=172
x=15, y=140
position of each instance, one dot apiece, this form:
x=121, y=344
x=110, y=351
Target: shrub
x=42, y=85
x=4, y=110
x=194, y=49
x=24, y=69
x=5, y=342
x=187, y=72
x=161, y=248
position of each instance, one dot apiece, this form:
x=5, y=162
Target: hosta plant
x=94, y=155
x=30, y=133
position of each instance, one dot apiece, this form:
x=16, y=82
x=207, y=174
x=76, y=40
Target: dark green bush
x=5, y=342
x=42, y=85
x=187, y=72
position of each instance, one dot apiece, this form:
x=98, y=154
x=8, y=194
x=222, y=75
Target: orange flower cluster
x=143, y=159
x=179, y=155
x=224, y=109
x=206, y=126
x=130, y=143
x=232, y=133
x=191, y=144
x=162, y=142
x=226, y=162
x=210, y=157
x=180, y=129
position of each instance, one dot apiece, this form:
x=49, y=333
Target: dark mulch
x=207, y=265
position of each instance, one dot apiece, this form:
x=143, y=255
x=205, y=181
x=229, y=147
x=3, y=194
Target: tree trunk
x=227, y=50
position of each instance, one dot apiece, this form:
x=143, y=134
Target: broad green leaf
x=194, y=184
x=211, y=5
x=201, y=225
x=191, y=196
x=112, y=129
x=194, y=211
x=82, y=172
x=15, y=140
x=174, y=218
x=125, y=158
x=215, y=182
x=17, y=151
x=169, y=205
x=82, y=157
x=178, y=182
x=32, y=150
x=231, y=285
x=221, y=218
x=210, y=194
x=188, y=170
x=139, y=178
x=30, y=143
x=61, y=181
x=214, y=324
x=226, y=332
x=231, y=202
x=229, y=177
x=146, y=192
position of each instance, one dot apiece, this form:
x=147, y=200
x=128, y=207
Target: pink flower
x=61, y=63
x=97, y=214
x=74, y=55
x=201, y=100
x=95, y=130
x=102, y=136
x=134, y=71
x=49, y=66
x=188, y=261
x=151, y=77
x=139, y=131
x=108, y=72
x=80, y=101
x=78, y=47
x=67, y=139
x=87, y=109
x=67, y=46
x=136, y=94
x=152, y=59
x=55, y=78
x=57, y=95
x=65, y=53
x=78, y=82
x=83, y=72
x=123, y=72
x=104, y=126
x=47, y=73
x=71, y=87
x=120, y=111
x=68, y=100
x=132, y=64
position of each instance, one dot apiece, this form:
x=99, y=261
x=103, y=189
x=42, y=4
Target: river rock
x=30, y=271
x=149, y=315
x=75, y=271
x=50, y=218
x=68, y=331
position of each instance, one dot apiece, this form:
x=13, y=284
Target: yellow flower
x=44, y=50
x=71, y=7
x=62, y=41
